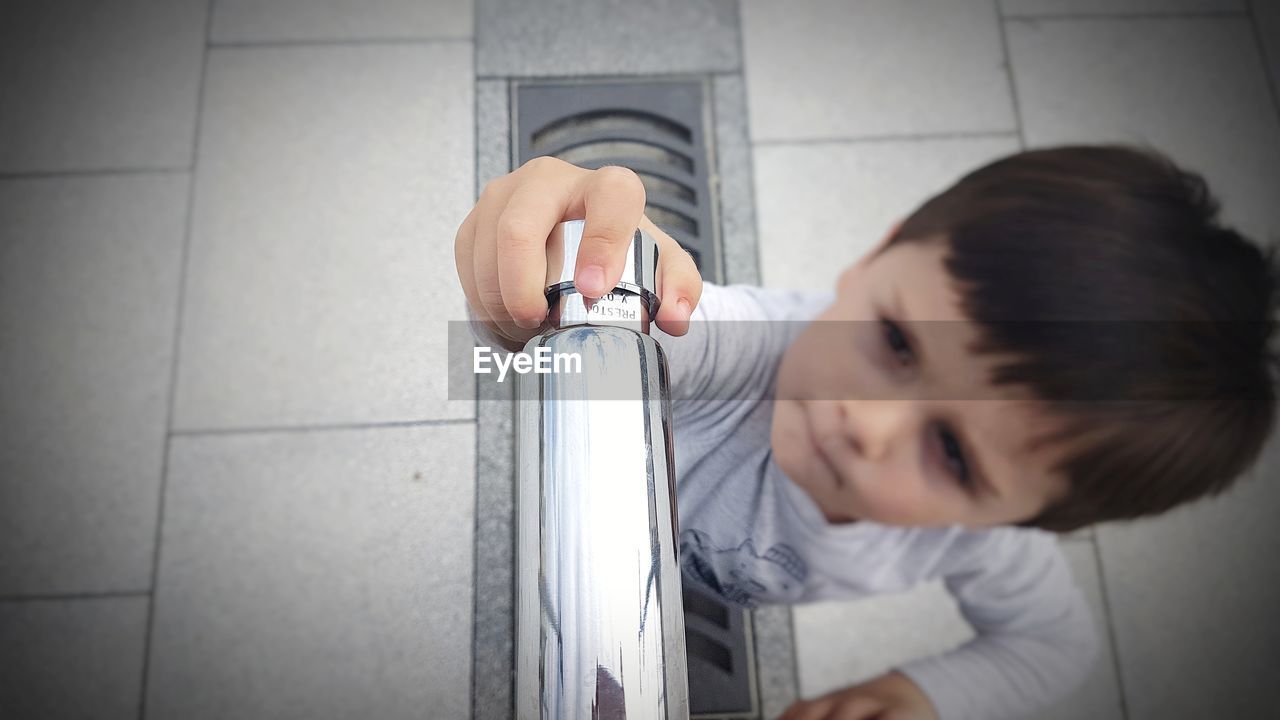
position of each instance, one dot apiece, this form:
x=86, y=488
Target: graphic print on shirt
x=740, y=574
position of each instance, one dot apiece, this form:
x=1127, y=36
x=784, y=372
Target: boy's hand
x=500, y=248
x=889, y=697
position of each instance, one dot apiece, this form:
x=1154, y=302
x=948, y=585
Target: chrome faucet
x=599, y=619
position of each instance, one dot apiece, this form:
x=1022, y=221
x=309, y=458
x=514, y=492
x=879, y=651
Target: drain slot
x=721, y=656
x=656, y=128
x=624, y=152
x=619, y=122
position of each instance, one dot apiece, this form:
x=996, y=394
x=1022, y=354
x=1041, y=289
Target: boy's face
x=890, y=423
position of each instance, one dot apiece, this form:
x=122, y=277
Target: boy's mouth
x=822, y=455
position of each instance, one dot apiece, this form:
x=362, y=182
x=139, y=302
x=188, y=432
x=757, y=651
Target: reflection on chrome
x=599, y=621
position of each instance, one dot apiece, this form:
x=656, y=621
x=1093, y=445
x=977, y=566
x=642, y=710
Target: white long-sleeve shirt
x=750, y=534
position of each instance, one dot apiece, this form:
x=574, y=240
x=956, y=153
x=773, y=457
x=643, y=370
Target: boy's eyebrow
x=972, y=452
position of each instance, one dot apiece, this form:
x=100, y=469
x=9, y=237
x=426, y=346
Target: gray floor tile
x=1193, y=600
x=866, y=187
x=835, y=69
x=1117, y=7
x=1267, y=17
x=72, y=658
x=316, y=575
x=1113, y=80
x=87, y=86
x=571, y=37
x=255, y=21
x=89, y=274
x=331, y=183
x=1099, y=697
x=842, y=643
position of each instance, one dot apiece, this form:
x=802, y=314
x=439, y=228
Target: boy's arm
x=1036, y=640
x=736, y=337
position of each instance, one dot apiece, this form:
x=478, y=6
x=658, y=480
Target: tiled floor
x=319, y=283
x=90, y=287
x=315, y=574
x=952, y=82
x=91, y=86
x=229, y=457
x=230, y=462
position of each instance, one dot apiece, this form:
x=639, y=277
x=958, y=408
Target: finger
x=463, y=258
x=463, y=252
x=531, y=213
x=792, y=710
x=485, y=261
x=857, y=708
x=815, y=710
x=613, y=203
x=681, y=285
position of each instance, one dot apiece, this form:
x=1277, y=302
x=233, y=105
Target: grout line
x=1177, y=15
x=175, y=349
x=715, y=178
x=54, y=597
x=90, y=172
x=1273, y=83
x=1008, y=71
x=475, y=451
x=1111, y=632
x=476, y=532
x=750, y=148
x=619, y=76
x=334, y=42
x=856, y=139
x=276, y=429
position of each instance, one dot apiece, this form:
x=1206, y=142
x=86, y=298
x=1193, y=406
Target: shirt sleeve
x=737, y=335
x=1035, y=639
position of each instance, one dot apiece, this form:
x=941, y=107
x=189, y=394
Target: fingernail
x=590, y=281
x=684, y=308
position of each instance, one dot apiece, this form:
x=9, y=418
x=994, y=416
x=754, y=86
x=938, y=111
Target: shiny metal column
x=599, y=619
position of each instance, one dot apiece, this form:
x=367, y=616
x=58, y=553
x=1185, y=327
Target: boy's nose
x=875, y=426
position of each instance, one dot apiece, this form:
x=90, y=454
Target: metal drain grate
x=721, y=661
x=658, y=129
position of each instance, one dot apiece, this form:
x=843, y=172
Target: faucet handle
x=638, y=287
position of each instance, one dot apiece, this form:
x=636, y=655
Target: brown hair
x=1173, y=395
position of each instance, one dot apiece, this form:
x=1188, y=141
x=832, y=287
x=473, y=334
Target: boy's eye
x=896, y=340
x=952, y=450
x=954, y=455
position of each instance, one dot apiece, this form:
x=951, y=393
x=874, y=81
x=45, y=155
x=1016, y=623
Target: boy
x=913, y=425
